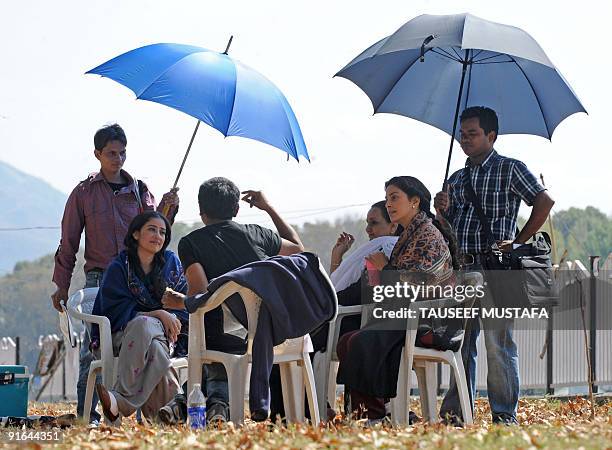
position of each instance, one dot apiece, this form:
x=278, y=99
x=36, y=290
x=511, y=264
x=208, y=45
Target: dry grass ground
x=544, y=423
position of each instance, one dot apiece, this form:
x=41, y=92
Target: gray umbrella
x=434, y=66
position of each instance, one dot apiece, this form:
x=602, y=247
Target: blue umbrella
x=433, y=66
x=213, y=88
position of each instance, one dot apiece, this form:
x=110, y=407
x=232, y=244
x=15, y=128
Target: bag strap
x=138, y=193
x=473, y=198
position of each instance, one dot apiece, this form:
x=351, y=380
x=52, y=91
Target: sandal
x=108, y=401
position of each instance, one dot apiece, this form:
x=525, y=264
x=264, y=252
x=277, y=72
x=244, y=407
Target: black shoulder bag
x=530, y=282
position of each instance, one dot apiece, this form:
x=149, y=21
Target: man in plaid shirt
x=500, y=183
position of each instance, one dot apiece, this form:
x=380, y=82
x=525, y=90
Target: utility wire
x=29, y=228
x=309, y=212
x=288, y=214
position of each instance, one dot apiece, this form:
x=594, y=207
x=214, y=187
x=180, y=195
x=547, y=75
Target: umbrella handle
x=166, y=210
x=427, y=40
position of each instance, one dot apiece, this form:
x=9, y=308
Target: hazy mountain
x=26, y=202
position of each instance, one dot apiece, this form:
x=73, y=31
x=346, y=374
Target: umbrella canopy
x=433, y=66
x=212, y=87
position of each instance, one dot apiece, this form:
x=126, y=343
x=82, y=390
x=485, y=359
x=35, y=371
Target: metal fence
x=9, y=351
x=61, y=384
x=559, y=360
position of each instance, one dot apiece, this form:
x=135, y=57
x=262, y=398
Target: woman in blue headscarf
x=144, y=334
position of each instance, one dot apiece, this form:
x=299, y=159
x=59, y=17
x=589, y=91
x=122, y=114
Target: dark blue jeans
x=92, y=279
x=216, y=387
x=502, y=368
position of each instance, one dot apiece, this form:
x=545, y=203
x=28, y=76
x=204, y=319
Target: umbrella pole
x=196, y=128
x=166, y=208
x=450, y=150
x=186, y=154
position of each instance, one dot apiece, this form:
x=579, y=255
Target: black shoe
x=452, y=420
x=330, y=413
x=217, y=414
x=413, y=418
x=259, y=415
x=174, y=412
x=504, y=420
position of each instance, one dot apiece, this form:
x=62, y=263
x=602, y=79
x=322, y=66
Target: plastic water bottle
x=196, y=408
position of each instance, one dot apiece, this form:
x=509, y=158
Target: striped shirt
x=105, y=216
x=500, y=183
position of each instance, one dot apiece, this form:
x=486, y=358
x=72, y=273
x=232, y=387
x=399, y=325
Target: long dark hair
x=413, y=187
x=131, y=245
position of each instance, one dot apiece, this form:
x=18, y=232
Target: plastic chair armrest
x=345, y=311
x=334, y=326
x=218, y=297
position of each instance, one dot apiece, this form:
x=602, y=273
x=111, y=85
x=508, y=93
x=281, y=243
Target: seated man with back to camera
x=220, y=246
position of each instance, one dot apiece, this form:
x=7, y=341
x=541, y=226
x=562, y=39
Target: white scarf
x=349, y=271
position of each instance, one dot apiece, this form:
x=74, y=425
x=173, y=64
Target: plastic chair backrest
x=82, y=302
x=252, y=304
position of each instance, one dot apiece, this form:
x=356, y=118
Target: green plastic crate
x=14, y=381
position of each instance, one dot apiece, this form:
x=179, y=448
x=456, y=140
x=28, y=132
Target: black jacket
x=299, y=297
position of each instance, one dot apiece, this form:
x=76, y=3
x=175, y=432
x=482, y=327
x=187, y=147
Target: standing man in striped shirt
x=500, y=183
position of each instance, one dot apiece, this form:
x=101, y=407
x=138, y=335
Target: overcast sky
x=49, y=110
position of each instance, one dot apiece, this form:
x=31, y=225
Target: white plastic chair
x=292, y=357
x=326, y=363
x=422, y=360
x=80, y=305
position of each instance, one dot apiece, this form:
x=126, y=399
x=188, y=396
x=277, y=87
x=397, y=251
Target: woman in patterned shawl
x=425, y=253
x=143, y=332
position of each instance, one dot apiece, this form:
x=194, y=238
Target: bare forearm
x=73, y=222
x=335, y=263
x=191, y=291
x=333, y=266
x=284, y=230
x=197, y=281
x=336, y=259
x=542, y=205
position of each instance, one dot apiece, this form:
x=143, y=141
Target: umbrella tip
x=228, y=45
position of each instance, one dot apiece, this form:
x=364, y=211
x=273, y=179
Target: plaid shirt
x=500, y=183
x=105, y=216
